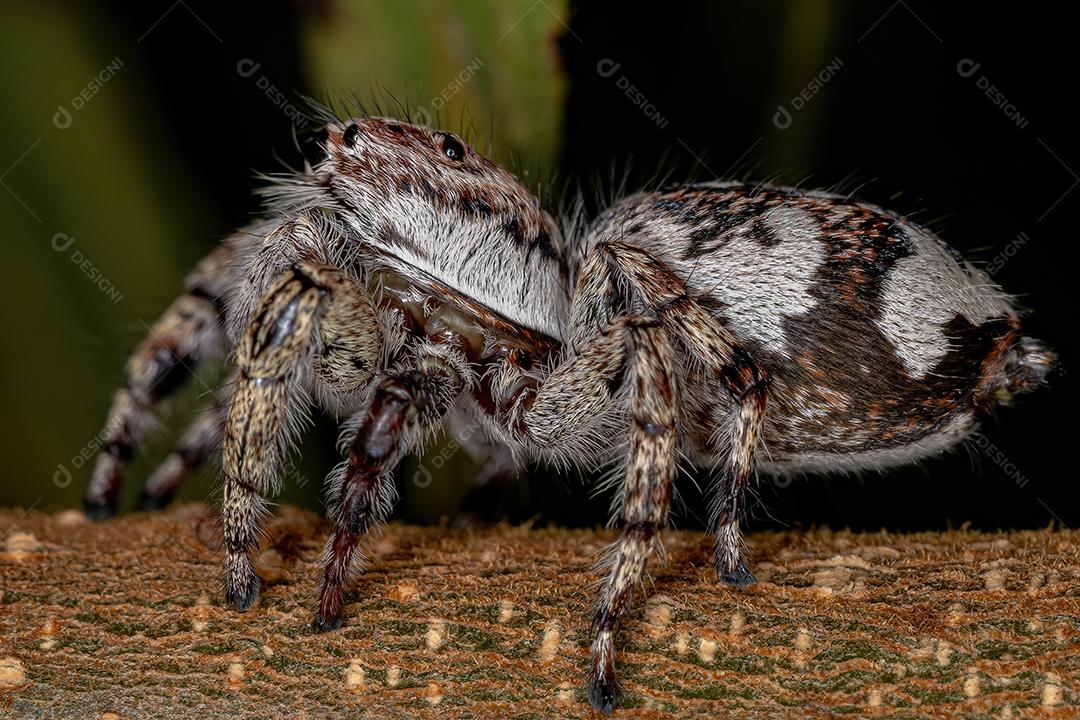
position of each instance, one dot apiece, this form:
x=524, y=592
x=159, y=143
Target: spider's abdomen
x=882, y=343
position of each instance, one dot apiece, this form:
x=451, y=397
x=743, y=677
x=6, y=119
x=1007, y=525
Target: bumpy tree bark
x=126, y=617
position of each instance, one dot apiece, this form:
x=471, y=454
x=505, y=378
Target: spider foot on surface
x=740, y=577
x=242, y=600
x=243, y=593
x=326, y=624
x=153, y=503
x=99, y=509
x=603, y=688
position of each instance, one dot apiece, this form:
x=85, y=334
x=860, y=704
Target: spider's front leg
x=314, y=324
x=565, y=409
x=407, y=406
x=612, y=268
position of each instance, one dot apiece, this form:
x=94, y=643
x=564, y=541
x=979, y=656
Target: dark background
x=894, y=120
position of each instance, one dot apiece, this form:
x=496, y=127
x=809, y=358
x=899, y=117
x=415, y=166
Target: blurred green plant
x=485, y=67
x=805, y=63
x=97, y=215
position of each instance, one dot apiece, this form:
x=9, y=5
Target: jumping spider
x=404, y=280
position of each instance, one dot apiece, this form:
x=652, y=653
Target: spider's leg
x=646, y=497
x=712, y=346
x=406, y=406
x=632, y=354
x=312, y=322
x=188, y=333
x=199, y=441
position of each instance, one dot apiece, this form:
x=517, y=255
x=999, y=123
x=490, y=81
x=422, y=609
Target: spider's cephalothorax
x=404, y=281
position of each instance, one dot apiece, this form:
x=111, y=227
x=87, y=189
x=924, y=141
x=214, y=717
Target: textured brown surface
x=126, y=617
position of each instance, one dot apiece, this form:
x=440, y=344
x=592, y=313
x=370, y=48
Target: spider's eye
x=351, y=135
x=451, y=147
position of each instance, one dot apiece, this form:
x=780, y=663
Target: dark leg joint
x=306, y=279
x=603, y=689
x=242, y=484
x=173, y=372
x=243, y=598
x=100, y=508
x=650, y=428
x=643, y=531
x=236, y=546
x=217, y=301
x=739, y=578
x=149, y=502
x=120, y=450
x=744, y=377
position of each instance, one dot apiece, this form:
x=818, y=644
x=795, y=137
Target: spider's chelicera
x=404, y=280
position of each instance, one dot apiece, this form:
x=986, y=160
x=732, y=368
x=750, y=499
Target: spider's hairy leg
x=646, y=498
x=314, y=322
x=406, y=406
x=188, y=333
x=575, y=394
x=199, y=441
x=712, y=346
x=729, y=496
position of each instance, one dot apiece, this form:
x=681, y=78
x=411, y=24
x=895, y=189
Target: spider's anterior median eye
x=452, y=147
x=352, y=134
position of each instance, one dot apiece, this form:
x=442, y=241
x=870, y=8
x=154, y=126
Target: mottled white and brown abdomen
x=882, y=344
